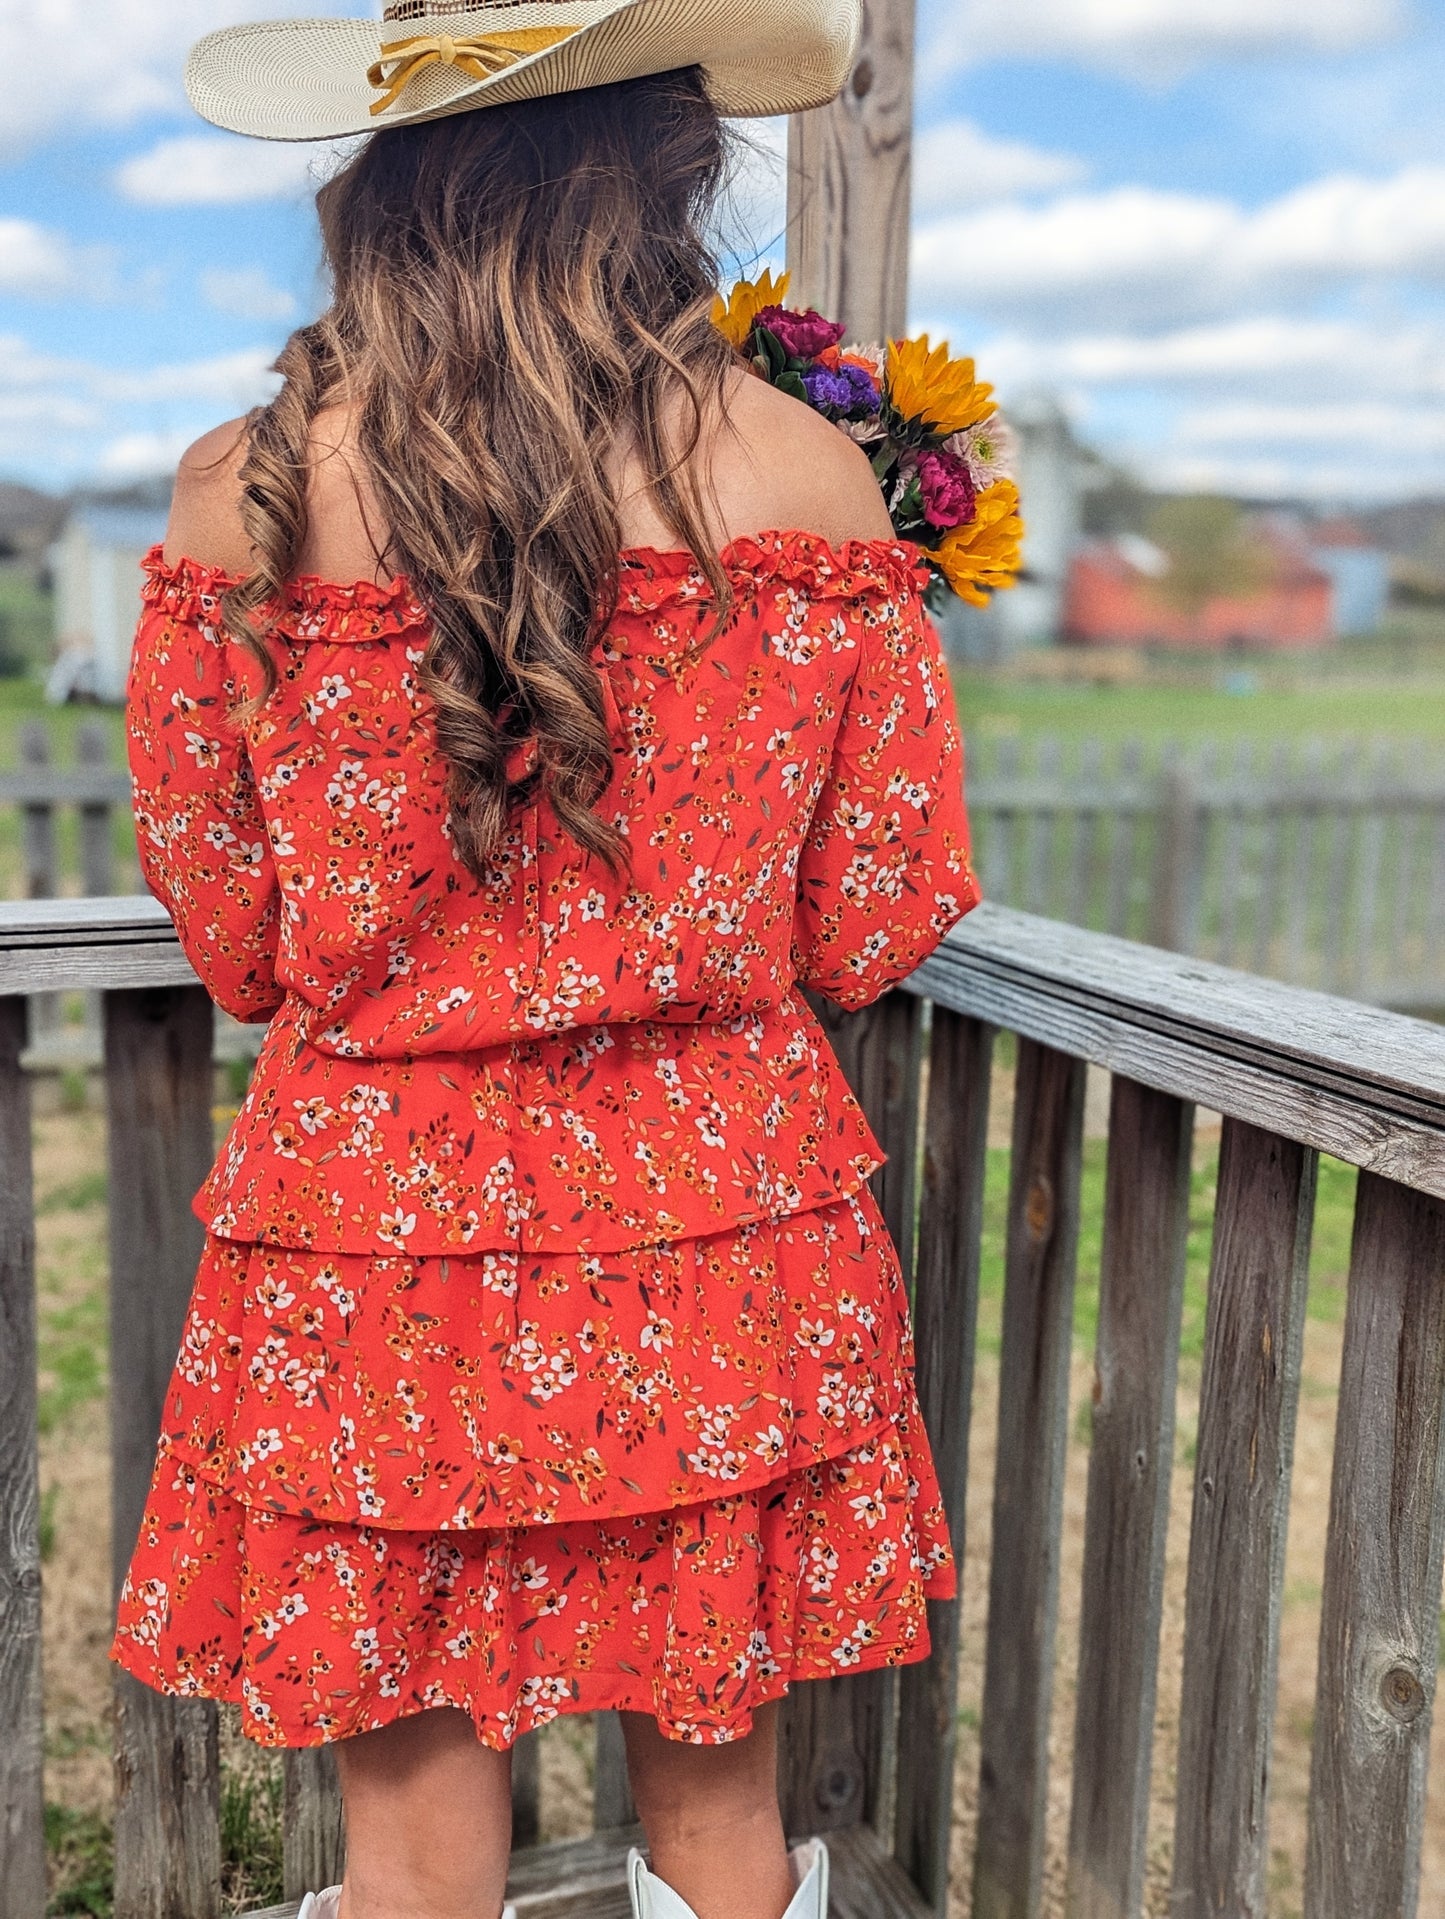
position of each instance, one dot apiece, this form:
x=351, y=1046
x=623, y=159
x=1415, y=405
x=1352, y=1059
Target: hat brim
x=307, y=79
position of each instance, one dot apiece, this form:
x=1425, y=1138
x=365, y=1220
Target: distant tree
x=1211, y=547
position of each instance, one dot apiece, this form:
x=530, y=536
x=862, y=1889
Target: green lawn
x=1390, y=684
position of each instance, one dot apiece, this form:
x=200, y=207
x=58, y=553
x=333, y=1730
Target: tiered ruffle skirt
x=670, y=1480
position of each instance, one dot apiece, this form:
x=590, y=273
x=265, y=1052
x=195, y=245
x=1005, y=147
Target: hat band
x=479, y=55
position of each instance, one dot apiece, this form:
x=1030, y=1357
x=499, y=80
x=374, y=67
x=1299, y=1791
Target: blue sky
x=1215, y=227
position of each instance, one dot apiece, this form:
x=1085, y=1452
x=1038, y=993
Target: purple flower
x=947, y=488
x=802, y=336
x=848, y=388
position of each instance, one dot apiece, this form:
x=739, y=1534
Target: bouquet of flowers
x=938, y=446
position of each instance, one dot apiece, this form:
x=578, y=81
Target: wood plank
x=1253, y=1336
x=37, y=831
x=1301, y=882
x=1271, y=864
x=158, y=1097
x=1043, y=1219
x=1232, y=853
x=584, y=1879
x=1125, y=841
x=1088, y=873
x=22, y=1730
x=950, y=1227
x=526, y=1791
x=313, y=1829
x=1379, y=1634
x=97, y=854
x=1131, y=1459
x=1000, y=875
x=1352, y=1080
x=839, y=1735
x=38, y=850
x=1365, y=955
x=611, y=1788
x=1041, y=838
x=848, y=185
x=1178, y=841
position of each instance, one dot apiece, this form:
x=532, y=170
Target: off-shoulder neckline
x=650, y=576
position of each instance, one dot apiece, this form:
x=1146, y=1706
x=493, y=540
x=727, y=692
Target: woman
x=547, y=1352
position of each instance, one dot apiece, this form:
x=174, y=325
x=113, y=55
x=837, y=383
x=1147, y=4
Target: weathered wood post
x=22, y=1743
x=158, y=1044
x=849, y=185
x=37, y=835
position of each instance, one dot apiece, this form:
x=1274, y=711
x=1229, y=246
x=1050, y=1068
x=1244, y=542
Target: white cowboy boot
x=653, y=1898
x=326, y=1905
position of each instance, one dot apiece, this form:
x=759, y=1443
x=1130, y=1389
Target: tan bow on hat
x=324, y=79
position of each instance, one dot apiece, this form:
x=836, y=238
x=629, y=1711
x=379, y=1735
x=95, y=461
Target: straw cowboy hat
x=322, y=79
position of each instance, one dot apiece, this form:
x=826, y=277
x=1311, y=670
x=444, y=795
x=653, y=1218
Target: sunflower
x=980, y=558
x=939, y=394
x=734, y=317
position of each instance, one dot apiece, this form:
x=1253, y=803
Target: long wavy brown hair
x=519, y=293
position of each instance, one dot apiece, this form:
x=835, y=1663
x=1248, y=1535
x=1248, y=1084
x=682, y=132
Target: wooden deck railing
x=871, y=1759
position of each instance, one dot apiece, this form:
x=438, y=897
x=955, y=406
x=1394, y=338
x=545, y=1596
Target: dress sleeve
x=200, y=834
x=884, y=871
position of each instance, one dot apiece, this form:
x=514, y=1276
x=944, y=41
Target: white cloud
x=1152, y=39
x=218, y=169
x=39, y=264
x=228, y=379
x=106, y=62
x=246, y=292
x=141, y=456
x=1352, y=428
x=1148, y=257
x=1272, y=355
x=957, y=164
x=139, y=419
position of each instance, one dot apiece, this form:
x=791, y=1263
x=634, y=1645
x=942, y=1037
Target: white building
x=1054, y=473
x=95, y=565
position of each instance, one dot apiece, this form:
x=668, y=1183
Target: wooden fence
x=1320, y=862
x=870, y=1760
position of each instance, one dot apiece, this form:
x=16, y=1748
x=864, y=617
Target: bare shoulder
x=205, y=522
x=785, y=466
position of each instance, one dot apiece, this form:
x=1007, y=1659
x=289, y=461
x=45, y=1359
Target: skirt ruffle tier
x=672, y=1486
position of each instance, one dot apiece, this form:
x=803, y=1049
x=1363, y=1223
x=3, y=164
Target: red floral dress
x=548, y=1351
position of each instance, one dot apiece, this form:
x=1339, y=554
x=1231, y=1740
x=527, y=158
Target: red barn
x=1117, y=595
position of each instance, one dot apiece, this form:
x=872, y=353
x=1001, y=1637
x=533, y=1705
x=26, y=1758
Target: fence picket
x=1367, y=895
x=22, y=1732
x=839, y=1734
x=1380, y=1633
x=1131, y=1457
x=1271, y=865
x=611, y=1794
x=158, y=1086
x=950, y=1229
x=1253, y=1334
x=1121, y=850
x=1043, y=1219
x=313, y=1833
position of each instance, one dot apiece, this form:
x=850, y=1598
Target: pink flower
x=947, y=489
x=802, y=335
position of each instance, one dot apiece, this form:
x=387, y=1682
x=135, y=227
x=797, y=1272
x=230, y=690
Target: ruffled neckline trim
x=651, y=578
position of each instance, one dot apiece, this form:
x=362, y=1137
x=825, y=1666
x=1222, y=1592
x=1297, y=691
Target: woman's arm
x=884, y=871
x=200, y=834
